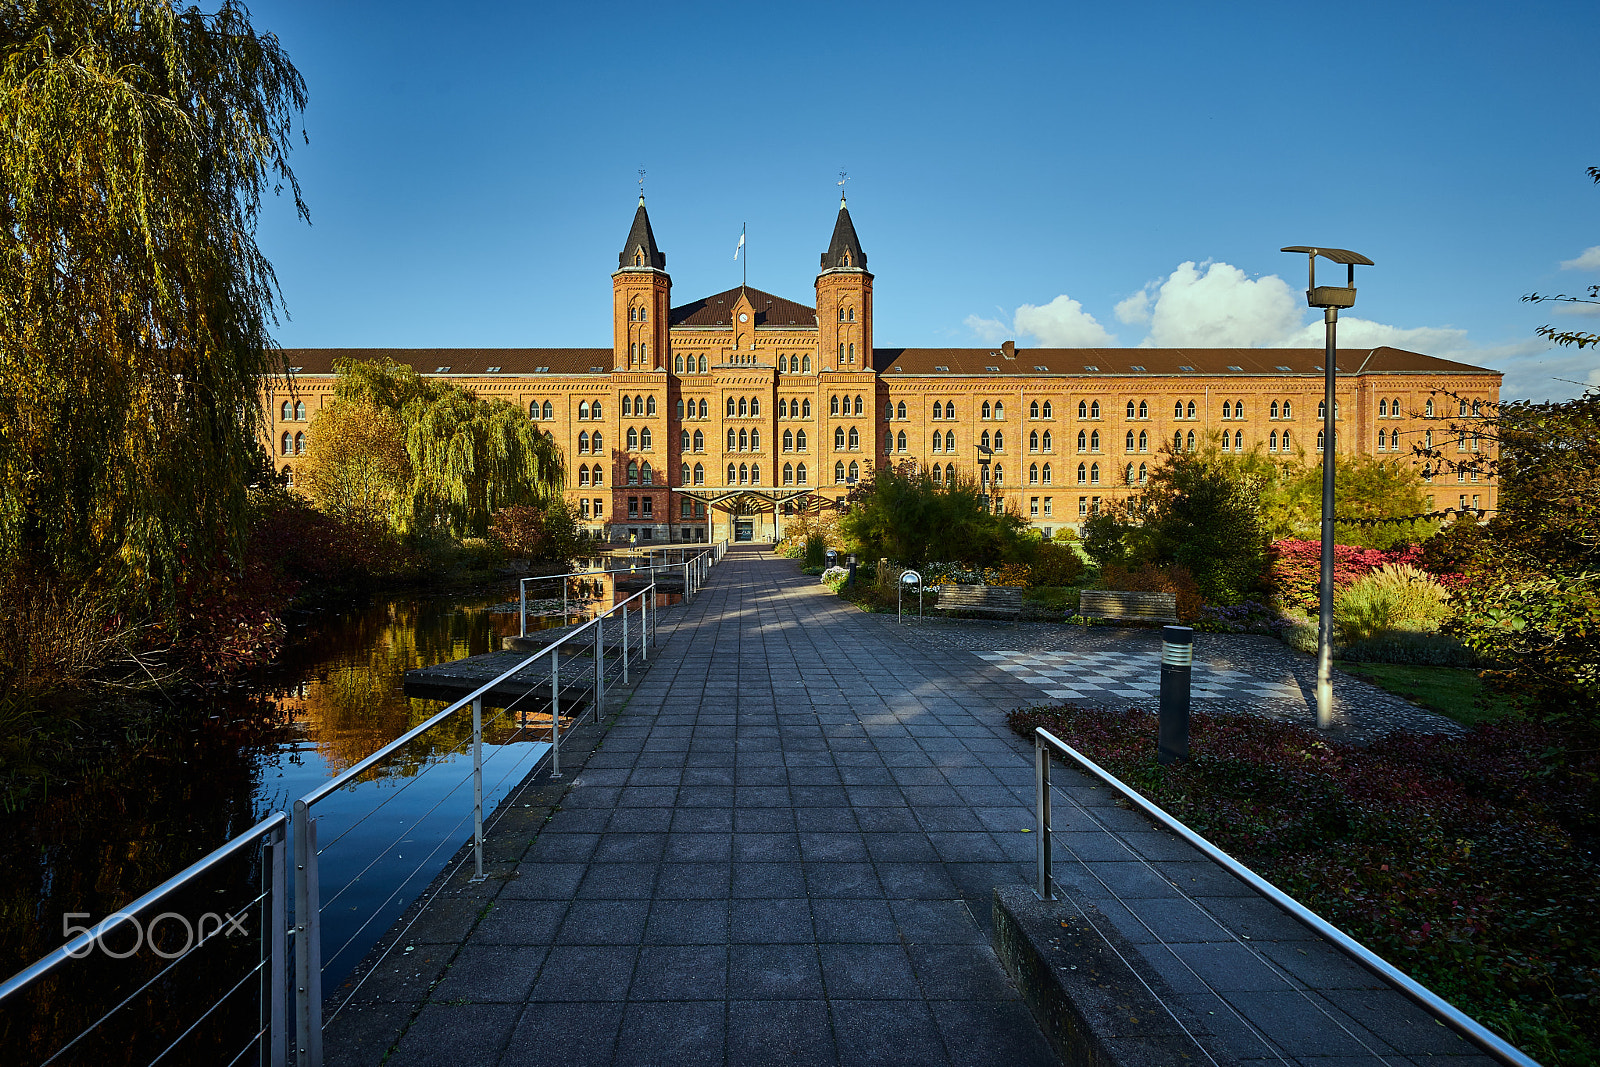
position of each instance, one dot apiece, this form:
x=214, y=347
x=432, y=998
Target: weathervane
x=843, y=177
x=641, y=182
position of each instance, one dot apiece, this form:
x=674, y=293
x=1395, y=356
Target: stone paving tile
x=784, y=850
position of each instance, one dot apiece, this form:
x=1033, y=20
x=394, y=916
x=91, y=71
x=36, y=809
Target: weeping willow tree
x=468, y=457
x=136, y=142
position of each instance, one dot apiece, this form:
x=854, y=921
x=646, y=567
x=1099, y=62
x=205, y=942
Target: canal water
x=223, y=763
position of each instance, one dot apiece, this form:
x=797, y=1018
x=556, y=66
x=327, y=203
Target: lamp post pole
x=1330, y=298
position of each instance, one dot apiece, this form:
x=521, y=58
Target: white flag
x=738, y=246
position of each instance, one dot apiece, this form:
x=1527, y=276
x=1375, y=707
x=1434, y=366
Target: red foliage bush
x=1297, y=567
x=1150, y=578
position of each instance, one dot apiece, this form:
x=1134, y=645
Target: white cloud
x=1588, y=259
x=992, y=331
x=1222, y=308
x=1135, y=309
x=1062, y=323
x=1364, y=333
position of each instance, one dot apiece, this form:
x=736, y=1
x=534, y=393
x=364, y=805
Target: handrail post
x=275, y=939
x=599, y=663
x=522, y=605
x=555, y=711
x=1041, y=782
x=308, y=941
x=644, y=625
x=563, y=600
x=477, y=789
x=624, y=644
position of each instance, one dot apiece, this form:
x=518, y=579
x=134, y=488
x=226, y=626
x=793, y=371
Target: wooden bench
x=983, y=599
x=1128, y=607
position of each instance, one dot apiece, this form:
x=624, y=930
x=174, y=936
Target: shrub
x=816, y=550
x=1150, y=578
x=1408, y=646
x=545, y=532
x=1055, y=565
x=1250, y=617
x=835, y=577
x=1393, y=597
x=1296, y=568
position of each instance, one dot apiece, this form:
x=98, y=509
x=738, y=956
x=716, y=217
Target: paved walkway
x=784, y=852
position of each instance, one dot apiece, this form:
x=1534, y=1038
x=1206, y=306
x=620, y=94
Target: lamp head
x=1331, y=296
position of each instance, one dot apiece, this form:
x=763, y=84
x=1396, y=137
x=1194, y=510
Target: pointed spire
x=640, y=249
x=844, y=251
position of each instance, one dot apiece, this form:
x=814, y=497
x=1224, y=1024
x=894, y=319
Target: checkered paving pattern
x=1107, y=675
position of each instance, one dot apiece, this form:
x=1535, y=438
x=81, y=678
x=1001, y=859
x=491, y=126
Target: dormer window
x=638, y=258
x=845, y=260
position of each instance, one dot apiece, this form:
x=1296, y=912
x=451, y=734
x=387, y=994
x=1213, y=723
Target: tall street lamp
x=1330, y=298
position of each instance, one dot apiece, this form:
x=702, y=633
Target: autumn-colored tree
x=356, y=468
x=136, y=140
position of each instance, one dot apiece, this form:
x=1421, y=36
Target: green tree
x=904, y=515
x=1570, y=338
x=1205, y=516
x=468, y=457
x=543, y=533
x=356, y=467
x=134, y=304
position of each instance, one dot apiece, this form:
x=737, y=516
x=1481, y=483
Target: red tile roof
x=717, y=309
x=510, y=361
x=1106, y=362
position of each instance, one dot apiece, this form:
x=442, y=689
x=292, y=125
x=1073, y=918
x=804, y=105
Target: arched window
x=938, y=474
x=1238, y=440
x=1144, y=474
x=900, y=441
x=1033, y=474
x=1094, y=409
x=1272, y=441
x=1083, y=409
x=703, y=408
x=1033, y=409
x=300, y=444
x=583, y=474
x=859, y=408
x=1177, y=440
x=987, y=410
x=755, y=405
x=949, y=440
x=841, y=351
x=805, y=408
x=680, y=408
x=1177, y=410
x=805, y=368
x=1394, y=408
x=1383, y=440
x=838, y=471
x=744, y=474
x=1286, y=440
x=1130, y=409
x=731, y=407
x=598, y=477
x=633, y=439
x=902, y=409
x=1127, y=475
x=583, y=442
x=299, y=411
x=1094, y=474
x=533, y=409
x=594, y=410
x=1083, y=474
x=783, y=363
x=1144, y=410
x=838, y=438
x=1227, y=409
x=1128, y=442
x=852, y=352
x=1189, y=443
x=633, y=472
x=788, y=474
x=983, y=442
x=744, y=441
x=1394, y=440
x=1427, y=409
x=1191, y=409
x=1463, y=407
x=645, y=477
x=287, y=409
x=645, y=443
x=755, y=440
x=999, y=474
x=744, y=406
x=1083, y=440
x=1288, y=410
x=1322, y=409
x=702, y=365
x=699, y=441
x=683, y=474
x=733, y=475
x=699, y=474
x=755, y=474
x=833, y=405
x=733, y=441
x=800, y=474
x=677, y=364
x=287, y=446
x=1046, y=442
x=1044, y=473
x=549, y=410
x=1274, y=410
x=800, y=441
x=855, y=469
x=999, y=440
x=950, y=473
x=1033, y=440
x=855, y=439
x=999, y=410
x=683, y=441
x=1227, y=442
x=1094, y=441
x=1383, y=408
x=627, y=405
x=1047, y=410
x=788, y=440
x=1319, y=440
x=649, y=405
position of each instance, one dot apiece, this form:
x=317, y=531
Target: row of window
x=744, y=441
x=794, y=409
x=847, y=348
x=840, y=405
x=295, y=412
x=292, y=446
x=640, y=440
x=745, y=406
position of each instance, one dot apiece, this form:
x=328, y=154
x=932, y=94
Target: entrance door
x=743, y=530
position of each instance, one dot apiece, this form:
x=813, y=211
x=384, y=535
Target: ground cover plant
x=1467, y=862
x=1451, y=691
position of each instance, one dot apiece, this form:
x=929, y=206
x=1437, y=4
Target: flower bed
x=1467, y=862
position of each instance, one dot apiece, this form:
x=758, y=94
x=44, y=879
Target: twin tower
x=642, y=306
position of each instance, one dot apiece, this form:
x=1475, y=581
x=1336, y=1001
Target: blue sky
x=1065, y=174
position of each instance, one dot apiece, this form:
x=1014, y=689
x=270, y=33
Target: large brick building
x=721, y=416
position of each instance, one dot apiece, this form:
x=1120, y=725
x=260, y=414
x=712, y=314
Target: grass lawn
x=1452, y=691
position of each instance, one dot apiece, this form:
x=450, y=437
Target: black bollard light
x=851, y=559
x=1177, y=654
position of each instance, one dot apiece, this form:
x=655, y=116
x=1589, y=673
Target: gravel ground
x=1362, y=711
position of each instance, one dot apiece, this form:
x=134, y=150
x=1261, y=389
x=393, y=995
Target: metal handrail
x=274, y=828
x=694, y=568
x=1488, y=1041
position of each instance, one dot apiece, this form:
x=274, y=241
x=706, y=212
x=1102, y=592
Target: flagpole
x=745, y=281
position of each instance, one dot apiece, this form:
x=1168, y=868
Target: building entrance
x=743, y=530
